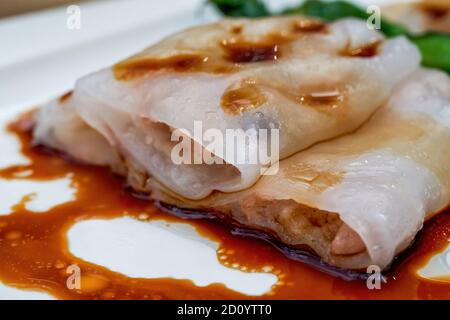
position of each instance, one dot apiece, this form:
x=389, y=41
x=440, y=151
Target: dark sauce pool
x=34, y=251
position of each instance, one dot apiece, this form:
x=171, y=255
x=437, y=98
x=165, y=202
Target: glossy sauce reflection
x=34, y=252
x=367, y=51
x=246, y=96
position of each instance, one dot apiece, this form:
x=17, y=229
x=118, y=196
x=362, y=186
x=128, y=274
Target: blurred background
x=12, y=7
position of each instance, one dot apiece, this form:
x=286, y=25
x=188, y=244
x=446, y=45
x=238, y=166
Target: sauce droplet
x=245, y=97
x=435, y=11
x=247, y=52
x=65, y=97
x=137, y=68
x=367, y=51
x=321, y=97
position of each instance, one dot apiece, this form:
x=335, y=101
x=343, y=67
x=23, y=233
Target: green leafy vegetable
x=329, y=11
x=435, y=49
x=434, y=46
x=241, y=8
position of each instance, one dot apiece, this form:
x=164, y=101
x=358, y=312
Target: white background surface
x=39, y=59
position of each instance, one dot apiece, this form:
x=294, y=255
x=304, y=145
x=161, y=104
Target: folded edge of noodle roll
x=311, y=81
x=59, y=125
x=359, y=199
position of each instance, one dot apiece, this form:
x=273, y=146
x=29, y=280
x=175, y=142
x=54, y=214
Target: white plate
x=41, y=58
